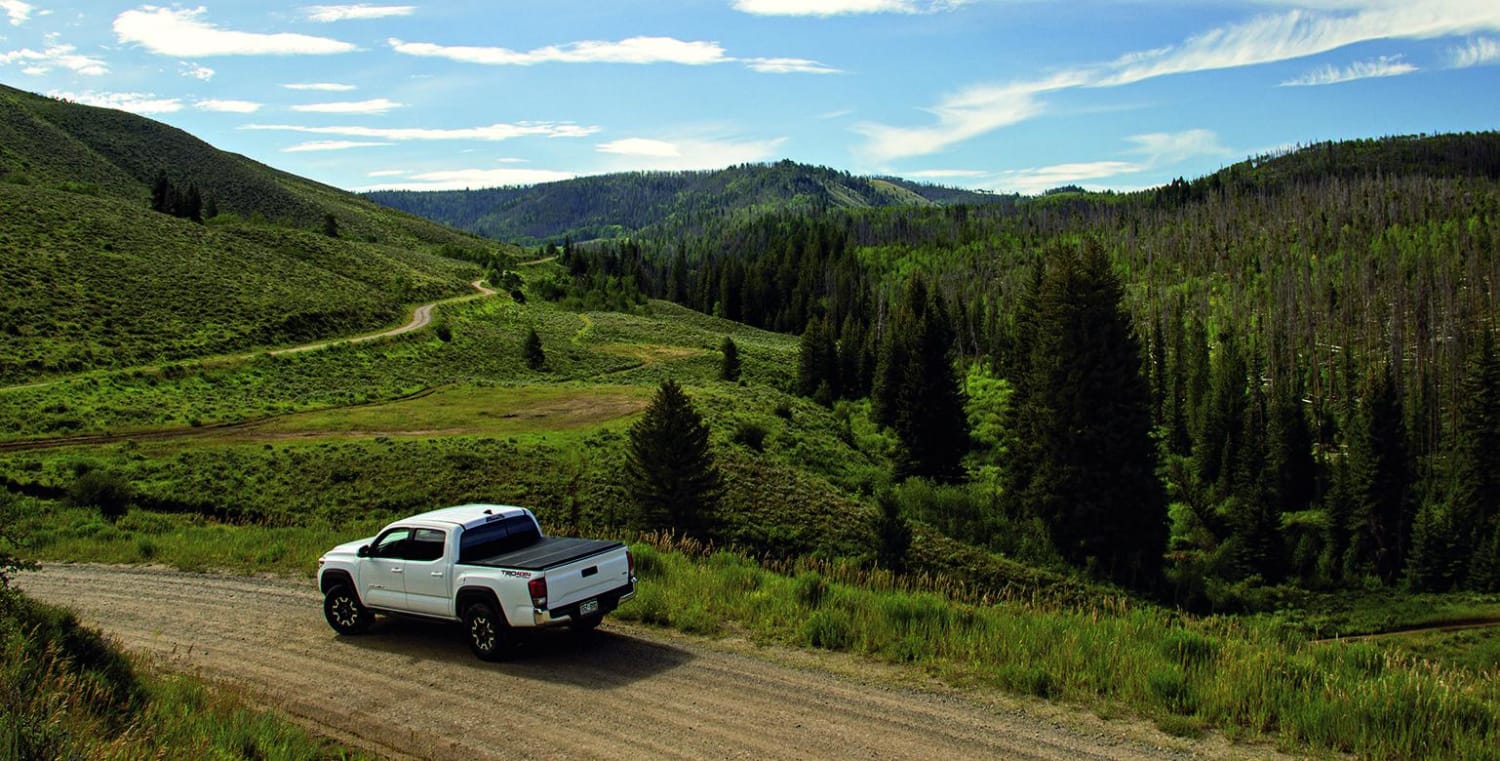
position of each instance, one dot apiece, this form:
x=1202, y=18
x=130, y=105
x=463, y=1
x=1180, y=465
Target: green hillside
x=95, y=279
x=663, y=203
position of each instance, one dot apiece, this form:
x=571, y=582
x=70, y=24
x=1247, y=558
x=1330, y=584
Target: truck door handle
x=438, y=574
x=395, y=570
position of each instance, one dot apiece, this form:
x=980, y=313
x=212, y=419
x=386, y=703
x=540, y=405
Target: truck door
x=427, y=582
x=382, y=575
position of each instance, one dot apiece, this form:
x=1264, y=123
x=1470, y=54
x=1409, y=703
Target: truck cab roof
x=469, y=516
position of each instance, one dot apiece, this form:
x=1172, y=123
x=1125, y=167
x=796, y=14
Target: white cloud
x=493, y=132
x=373, y=106
x=228, y=106
x=320, y=86
x=460, y=179
x=841, y=7
x=17, y=11
x=1282, y=36
x=331, y=145
x=1039, y=179
x=1476, y=52
x=937, y=174
x=1384, y=66
x=387, y=173
x=638, y=50
x=53, y=57
x=134, y=102
x=183, y=33
x=637, y=153
x=1154, y=150
x=789, y=66
x=1167, y=148
x=356, y=12
x=196, y=71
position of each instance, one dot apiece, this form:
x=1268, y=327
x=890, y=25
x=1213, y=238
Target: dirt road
x=413, y=690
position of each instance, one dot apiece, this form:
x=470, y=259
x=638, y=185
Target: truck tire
x=345, y=613
x=488, y=633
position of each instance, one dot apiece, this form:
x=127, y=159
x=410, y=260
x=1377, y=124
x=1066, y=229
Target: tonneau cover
x=549, y=552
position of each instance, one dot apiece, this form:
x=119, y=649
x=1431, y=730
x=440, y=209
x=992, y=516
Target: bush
x=809, y=589
x=109, y=492
x=828, y=629
x=752, y=435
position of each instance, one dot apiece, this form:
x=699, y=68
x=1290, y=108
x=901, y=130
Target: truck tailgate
x=586, y=578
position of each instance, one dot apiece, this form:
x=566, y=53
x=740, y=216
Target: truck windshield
x=497, y=538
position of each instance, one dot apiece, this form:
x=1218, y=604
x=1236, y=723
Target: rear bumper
x=566, y=614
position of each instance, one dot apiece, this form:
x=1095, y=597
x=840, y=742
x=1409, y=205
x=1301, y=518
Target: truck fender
x=471, y=594
x=334, y=578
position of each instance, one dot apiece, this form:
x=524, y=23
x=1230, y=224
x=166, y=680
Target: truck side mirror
x=364, y=551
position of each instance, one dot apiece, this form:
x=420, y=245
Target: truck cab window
x=391, y=544
x=425, y=544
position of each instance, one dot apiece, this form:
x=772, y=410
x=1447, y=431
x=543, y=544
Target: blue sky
x=1006, y=95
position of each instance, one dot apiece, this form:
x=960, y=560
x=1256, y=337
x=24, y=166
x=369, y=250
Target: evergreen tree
x=1475, y=470
x=330, y=226
x=817, y=363
x=930, y=418
x=892, y=532
x=161, y=193
x=210, y=207
x=669, y=469
x=1082, y=456
x=729, y=364
x=536, y=358
x=192, y=205
x=1378, y=525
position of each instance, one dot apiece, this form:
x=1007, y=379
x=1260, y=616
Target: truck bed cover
x=549, y=552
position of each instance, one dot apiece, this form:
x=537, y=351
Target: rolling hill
x=95, y=279
x=654, y=203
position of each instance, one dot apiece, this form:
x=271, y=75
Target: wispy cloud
x=1384, y=66
x=357, y=12
x=1479, y=51
x=134, y=102
x=320, y=86
x=17, y=11
x=638, y=50
x=789, y=66
x=460, y=179
x=686, y=154
x=331, y=145
x=939, y=174
x=372, y=106
x=195, y=71
x=1151, y=151
x=387, y=173
x=491, y=133
x=841, y=7
x=184, y=33
x=55, y=57
x=228, y=106
x=1281, y=36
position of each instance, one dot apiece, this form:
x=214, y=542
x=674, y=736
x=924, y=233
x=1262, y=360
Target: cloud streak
x=827, y=8
x=1384, y=66
x=228, y=106
x=490, y=133
x=331, y=145
x=134, y=102
x=460, y=179
x=1268, y=38
x=184, y=33
x=40, y=62
x=1481, y=51
x=632, y=50
x=638, y=153
x=17, y=11
x=373, y=106
x=325, y=14
x=320, y=86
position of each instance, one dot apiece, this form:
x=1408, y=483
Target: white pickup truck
x=488, y=566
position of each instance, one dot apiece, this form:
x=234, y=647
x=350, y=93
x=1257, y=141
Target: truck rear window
x=497, y=538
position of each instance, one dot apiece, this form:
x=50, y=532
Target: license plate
x=587, y=607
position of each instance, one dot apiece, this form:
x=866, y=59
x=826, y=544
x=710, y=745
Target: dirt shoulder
x=413, y=690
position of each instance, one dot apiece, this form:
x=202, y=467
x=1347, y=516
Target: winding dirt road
x=410, y=690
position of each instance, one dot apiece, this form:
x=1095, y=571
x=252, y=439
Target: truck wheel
x=488, y=632
x=345, y=613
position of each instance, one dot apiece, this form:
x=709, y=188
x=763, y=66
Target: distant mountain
x=634, y=203
x=94, y=278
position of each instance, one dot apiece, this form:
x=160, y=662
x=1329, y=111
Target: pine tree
x=1476, y=453
x=330, y=226
x=1378, y=524
x=669, y=469
x=817, y=363
x=161, y=193
x=1082, y=456
x=729, y=364
x=930, y=418
x=892, y=532
x=536, y=358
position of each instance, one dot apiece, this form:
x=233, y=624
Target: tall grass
x=65, y=692
x=1249, y=678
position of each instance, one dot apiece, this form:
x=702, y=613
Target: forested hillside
x=124, y=241
x=1312, y=331
x=662, y=203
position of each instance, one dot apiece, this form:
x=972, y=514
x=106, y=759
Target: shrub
x=109, y=492
x=752, y=435
x=809, y=589
x=828, y=629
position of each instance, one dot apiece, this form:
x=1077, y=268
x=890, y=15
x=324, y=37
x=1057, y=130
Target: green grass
x=1251, y=679
x=69, y=693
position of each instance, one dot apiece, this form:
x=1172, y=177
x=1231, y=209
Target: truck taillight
x=538, y=587
x=630, y=561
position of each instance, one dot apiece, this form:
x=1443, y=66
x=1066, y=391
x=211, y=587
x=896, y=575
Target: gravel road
x=412, y=690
